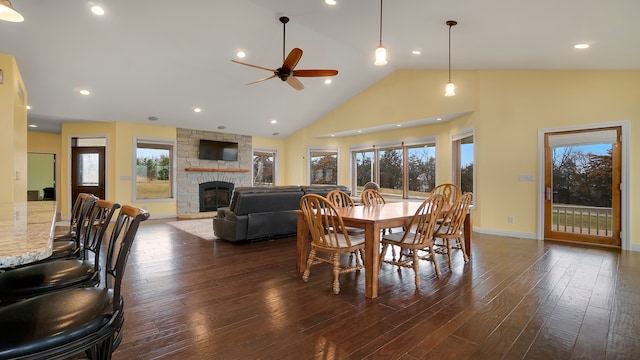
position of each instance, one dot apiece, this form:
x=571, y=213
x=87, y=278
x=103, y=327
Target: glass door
x=582, y=186
x=88, y=171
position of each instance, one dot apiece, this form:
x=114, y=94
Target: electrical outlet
x=511, y=220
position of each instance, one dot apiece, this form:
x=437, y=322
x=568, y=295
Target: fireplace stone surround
x=191, y=171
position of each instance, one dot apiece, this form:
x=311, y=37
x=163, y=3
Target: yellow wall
x=507, y=110
x=125, y=175
x=13, y=132
x=119, y=161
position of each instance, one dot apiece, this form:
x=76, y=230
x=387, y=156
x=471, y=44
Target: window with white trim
x=463, y=160
x=264, y=168
x=404, y=170
x=154, y=169
x=323, y=167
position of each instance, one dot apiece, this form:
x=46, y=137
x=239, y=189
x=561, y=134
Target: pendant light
x=450, y=89
x=381, y=51
x=8, y=13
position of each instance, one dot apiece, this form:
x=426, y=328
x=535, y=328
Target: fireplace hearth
x=215, y=194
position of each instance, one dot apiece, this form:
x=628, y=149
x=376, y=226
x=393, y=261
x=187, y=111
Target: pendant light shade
x=450, y=88
x=381, y=55
x=8, y=13
x=381, y=51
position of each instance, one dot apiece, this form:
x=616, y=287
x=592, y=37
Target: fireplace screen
x=215, y=194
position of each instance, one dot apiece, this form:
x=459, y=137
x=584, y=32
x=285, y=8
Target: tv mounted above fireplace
x=218, y=150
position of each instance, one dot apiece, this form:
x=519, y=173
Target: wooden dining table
x=26, y=232
x=372, y=219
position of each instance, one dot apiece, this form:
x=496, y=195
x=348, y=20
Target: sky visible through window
x=466, y=154
x=150, y=153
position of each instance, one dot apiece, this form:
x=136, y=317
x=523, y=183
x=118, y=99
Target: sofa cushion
x=251, y=203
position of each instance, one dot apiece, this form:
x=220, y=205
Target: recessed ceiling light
x=197, y=110
x=359, y=131
x=85, y=92
x=274, y=121
x=32, y=125
x=241, y=54
x=222, y=127
x=438, y=119
x=327, y=81
x=153, y=118
x=28, y=107
x=581, y=46
x=97, y=10
x=333, y=135
x=330, y=2
x=399, y=125
x=416, y=52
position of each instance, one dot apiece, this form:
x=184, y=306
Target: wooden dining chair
x=417, y=236
x=372, y=197
x=42, y=277
x=451, y=192
x=448, y=234
x=63, y=323
x=330, y=237
x=340, y=199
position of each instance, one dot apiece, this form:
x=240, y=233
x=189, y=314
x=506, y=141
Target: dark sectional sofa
x=261, y=213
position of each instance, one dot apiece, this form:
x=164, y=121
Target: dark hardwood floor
x=189, y=298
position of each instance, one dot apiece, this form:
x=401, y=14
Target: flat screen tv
x=218, y=150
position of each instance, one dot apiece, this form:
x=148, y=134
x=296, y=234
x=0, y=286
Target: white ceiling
x=163, y=58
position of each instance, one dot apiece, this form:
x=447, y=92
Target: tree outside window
x=390, y=173
x=363, y=161
x=324, y=167
x=154, y=170
x=264, y=168
x=421, y=166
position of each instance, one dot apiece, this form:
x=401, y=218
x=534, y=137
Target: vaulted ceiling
x=163, y=59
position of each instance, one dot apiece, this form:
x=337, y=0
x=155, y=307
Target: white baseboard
x=523, y=235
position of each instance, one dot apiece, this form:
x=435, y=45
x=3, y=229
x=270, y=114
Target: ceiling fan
x=287, y=71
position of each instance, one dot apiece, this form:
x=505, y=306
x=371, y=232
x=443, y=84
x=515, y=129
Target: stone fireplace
x=192, y=172
x=215, y=194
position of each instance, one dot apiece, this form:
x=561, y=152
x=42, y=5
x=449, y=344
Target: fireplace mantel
x=215, y=169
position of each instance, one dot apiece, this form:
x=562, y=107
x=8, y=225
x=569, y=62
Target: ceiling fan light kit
x=287, y=71
x=8, y=13
x=450, y=88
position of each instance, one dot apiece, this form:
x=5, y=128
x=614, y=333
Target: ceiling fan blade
x=255, y=66
x=295, y=83
x=312, y=73
x=260, y=80
x=292, y=59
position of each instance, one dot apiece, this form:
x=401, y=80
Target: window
x=403, y=171
x=323, y=165
x=421, y=169
x=463, y=160
x=264, y=167
x=390, y=171
x=154, y=169
x=364, y=171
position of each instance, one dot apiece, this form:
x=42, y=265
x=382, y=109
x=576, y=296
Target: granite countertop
x=26, y=231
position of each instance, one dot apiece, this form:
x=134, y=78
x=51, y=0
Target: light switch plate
x=526, y=177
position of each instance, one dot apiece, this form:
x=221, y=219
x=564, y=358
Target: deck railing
x=582, y=219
